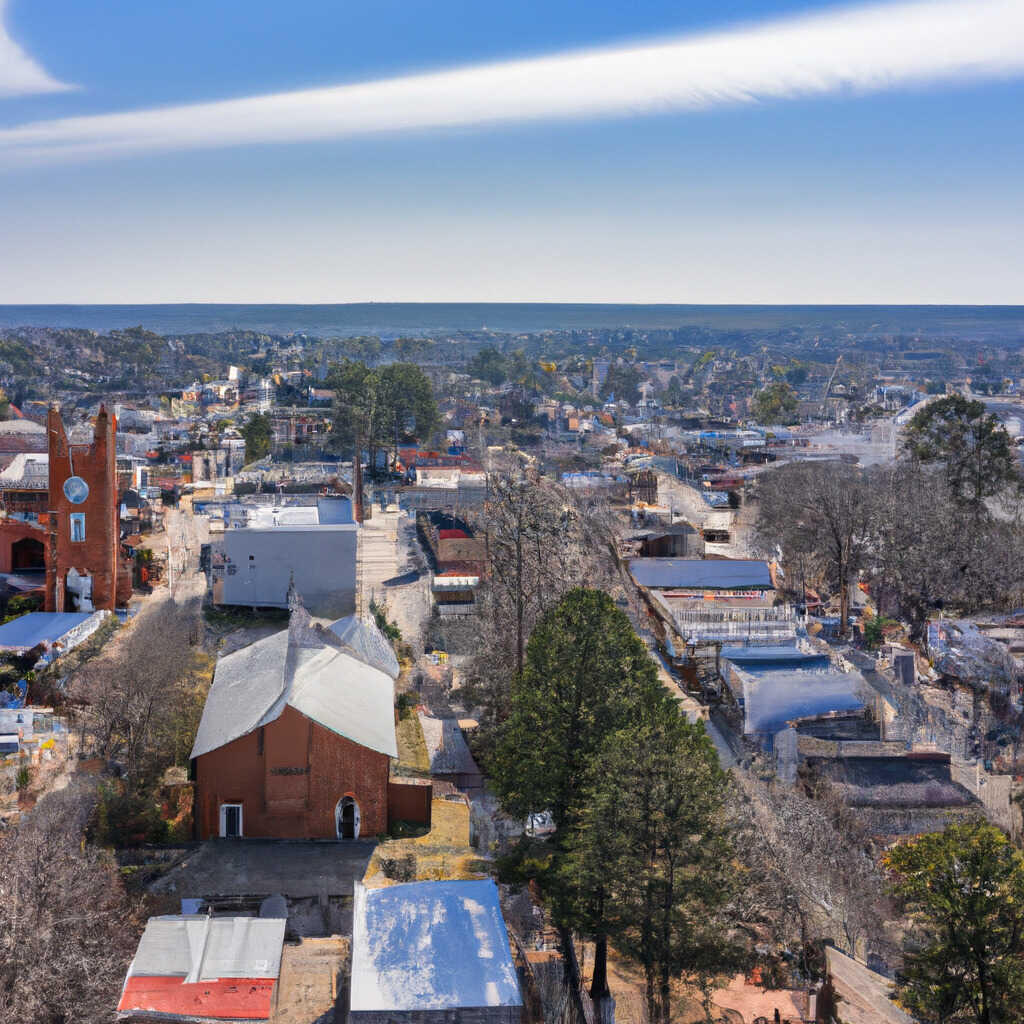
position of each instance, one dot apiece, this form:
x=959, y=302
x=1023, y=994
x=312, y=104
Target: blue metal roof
x=39, y=627
x=703, y=573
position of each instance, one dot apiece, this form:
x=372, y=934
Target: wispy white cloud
x=854, y=49
x=20, y=75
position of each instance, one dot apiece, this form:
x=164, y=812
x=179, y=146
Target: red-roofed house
x=197, y=968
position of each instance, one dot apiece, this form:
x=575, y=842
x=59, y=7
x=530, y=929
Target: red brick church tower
x=84, y=569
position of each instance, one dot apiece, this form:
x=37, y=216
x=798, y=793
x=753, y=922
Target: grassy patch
x=412, y=748
x=444, y=852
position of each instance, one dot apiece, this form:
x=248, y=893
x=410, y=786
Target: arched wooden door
x=346, y=816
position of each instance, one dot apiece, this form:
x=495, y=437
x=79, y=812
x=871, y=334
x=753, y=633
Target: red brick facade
x=21, y=545
x=289, y=782
x=98, y=555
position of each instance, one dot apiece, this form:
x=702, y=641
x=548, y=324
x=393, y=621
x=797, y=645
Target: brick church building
x=297, y=735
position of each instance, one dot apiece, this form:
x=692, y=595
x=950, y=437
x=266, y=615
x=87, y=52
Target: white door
x=231, y=821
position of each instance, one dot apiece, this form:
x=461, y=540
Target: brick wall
x=410, y=800
x=98, y=555
x=290, y=788
x=13, y=531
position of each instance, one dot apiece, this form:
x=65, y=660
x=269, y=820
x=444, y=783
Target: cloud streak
x=20, y=75
x=858, y=49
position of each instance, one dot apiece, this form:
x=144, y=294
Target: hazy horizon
x=1001, y=322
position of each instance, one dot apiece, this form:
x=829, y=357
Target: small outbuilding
x=432, y=953
x=196, y=968
x=53, y=633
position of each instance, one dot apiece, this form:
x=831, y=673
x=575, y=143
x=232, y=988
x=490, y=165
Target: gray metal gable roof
x=703, y=573
x=313, y=671
x=199, y=948
x=366, y=639
x=431, y=946
x=247, y=685
x=349, y=697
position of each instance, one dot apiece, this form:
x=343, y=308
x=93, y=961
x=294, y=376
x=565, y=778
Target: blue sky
x=737, y=151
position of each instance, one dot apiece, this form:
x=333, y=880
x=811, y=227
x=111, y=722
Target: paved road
x=261, y=867
x=865, y=994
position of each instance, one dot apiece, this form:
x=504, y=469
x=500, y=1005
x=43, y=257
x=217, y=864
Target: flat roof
x=39, y=627
x=774, y=698
x=701, y=573
x=431, y=946
x=758, y=660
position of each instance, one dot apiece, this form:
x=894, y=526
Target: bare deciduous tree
x=67, y=928
x=541, y=542
x=820, y=516
x=814, y=870
x=137, y=700
x=929, y=551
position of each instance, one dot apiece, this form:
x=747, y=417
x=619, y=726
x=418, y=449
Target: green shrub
x=380, y=616
x=399, y=869
x=874, y=631
x=124, y=819
x=405, y=702
x=22, y=604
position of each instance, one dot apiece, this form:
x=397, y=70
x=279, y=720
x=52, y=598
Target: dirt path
x=392, y=571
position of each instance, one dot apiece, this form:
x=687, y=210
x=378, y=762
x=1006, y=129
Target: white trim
x=223, y=822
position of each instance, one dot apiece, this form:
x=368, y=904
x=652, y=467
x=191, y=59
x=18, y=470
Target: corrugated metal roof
x=769, y=659
x=431, y=946
x=311, y=669
x=702, y=573
x=455, y=582
x=27, y=469
x=200, y=948
x=220, y=1000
